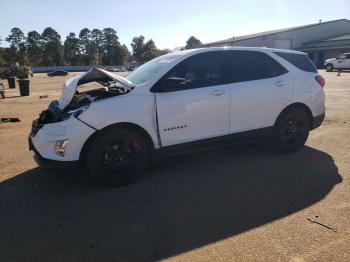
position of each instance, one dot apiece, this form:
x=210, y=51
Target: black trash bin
x=11, y=82
x=23, y=87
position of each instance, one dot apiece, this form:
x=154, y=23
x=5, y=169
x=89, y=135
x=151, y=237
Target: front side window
x=252, y=65
x=200, y=70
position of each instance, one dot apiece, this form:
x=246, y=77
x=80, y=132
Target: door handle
x=280, y=83
x=217, y=93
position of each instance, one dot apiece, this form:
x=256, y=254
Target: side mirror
x=173, y=84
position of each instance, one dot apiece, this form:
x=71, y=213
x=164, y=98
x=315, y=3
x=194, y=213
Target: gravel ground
x=238, y=204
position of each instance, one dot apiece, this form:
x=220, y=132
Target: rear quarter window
x=299, y=60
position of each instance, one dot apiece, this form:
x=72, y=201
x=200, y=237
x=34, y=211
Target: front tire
x=329, y=67
x=291, y=130
x=117, y=157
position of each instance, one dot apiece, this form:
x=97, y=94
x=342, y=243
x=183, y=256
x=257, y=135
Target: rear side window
x=299, y=60
x=252, y=65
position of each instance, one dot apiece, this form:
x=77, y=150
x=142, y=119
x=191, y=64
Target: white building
x=321, y=41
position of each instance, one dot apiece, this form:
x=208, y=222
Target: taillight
x=320, y=80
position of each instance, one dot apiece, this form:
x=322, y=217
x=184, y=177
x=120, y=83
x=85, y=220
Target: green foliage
x=192, y=42
x=96, y=47
x=137, y=45
x=53, y=50
x=34, y=48
x=71, y=50
x=17, y=48
x=2, y=60
x=15, y=38
x=86, y=46
x=144, y=52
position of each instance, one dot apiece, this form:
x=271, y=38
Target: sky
x=168, y=23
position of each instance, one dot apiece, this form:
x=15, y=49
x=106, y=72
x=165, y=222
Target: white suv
x=180, y=102
x=341, y=62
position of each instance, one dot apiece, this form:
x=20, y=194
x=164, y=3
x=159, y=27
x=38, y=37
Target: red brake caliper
x=136, y=146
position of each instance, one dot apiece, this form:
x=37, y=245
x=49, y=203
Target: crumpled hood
x=94, y=74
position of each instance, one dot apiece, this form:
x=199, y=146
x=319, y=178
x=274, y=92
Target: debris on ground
x=10, y=119
x=321, y=224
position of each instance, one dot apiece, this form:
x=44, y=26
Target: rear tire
x=291, y=130
x=117, y=157
x=329, y=67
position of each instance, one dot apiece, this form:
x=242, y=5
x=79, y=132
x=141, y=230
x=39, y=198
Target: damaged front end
x=73, y=103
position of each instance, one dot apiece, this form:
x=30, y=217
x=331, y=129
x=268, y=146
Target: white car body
x=180, y=117
x=340, y=62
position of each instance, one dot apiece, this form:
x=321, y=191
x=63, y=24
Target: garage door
x=283, y=43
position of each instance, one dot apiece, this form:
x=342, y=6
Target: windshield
x=145, y=72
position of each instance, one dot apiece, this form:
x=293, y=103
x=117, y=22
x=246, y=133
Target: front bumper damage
x=48, y=163
x=43, y=141
x=57, y=136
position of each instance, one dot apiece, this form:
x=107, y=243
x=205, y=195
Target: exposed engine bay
x=73, y=102
x=85, y=98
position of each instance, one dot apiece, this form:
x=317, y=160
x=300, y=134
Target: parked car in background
x=177, y=103
x=114, y=69
x=58, y=73
x=340, y=62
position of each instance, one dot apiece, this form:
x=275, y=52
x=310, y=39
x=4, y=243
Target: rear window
x=299, y=60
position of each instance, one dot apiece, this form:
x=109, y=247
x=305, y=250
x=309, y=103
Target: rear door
x=198, y=109
x=260, y=88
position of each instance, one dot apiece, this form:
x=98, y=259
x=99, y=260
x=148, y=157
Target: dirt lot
x=238, y=204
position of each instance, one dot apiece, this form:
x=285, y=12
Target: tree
x=2, y=59
x=125, y=54
x=150, y=51
x=192, y=42
x=138, y=45
x=86, y=47
x=97, y=45
x=143, y=52
x=17, y=47
x=34, y=48
x=53, y=50
x=15, y=38
x=71, y=50
x=23, y=54
x=113, y=52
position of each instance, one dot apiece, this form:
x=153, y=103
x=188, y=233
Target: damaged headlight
x=75, y=112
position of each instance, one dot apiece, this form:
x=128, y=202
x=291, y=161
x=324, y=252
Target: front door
x=198, y=107
x=342, y=62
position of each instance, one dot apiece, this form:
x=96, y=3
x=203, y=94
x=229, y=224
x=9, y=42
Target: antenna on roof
x=320, y=21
